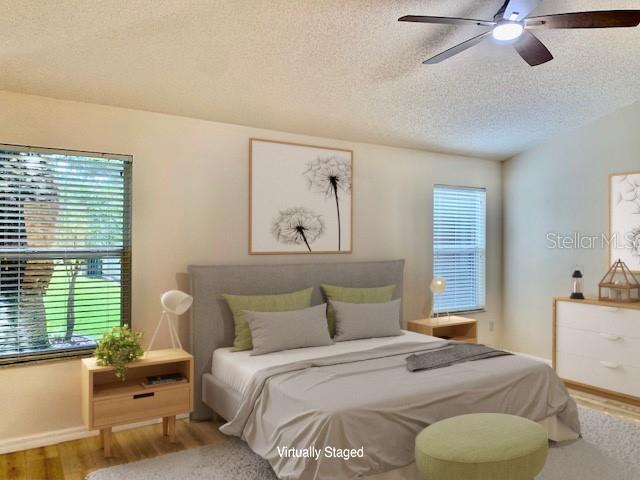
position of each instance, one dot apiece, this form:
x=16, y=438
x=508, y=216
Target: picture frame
x=624, y=219
x=300, y=198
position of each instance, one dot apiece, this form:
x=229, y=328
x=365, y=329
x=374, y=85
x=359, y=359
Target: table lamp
x=438, y=287
x=174, y=302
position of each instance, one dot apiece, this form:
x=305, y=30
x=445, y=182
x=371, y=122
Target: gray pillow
x=366, y=320
x=276, y=331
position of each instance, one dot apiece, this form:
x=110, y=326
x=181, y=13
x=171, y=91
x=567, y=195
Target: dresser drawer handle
x=613, y=366
x=143, y=395
x=608, y=336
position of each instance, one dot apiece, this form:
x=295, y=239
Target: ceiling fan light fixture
x=507, y=31
x=512, y=25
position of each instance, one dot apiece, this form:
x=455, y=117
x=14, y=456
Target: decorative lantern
x=620, y=285
x=577, y=285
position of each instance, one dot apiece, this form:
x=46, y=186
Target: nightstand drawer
x=141, y=405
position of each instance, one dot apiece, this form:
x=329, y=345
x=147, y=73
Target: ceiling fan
x=511, y=23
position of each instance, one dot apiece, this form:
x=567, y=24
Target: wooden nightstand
x=108, y=401
x=452, y=328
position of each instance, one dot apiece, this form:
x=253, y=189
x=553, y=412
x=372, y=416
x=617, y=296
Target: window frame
x=52, y=355
x=479, y=308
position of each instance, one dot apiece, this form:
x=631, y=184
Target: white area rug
x=609, y=450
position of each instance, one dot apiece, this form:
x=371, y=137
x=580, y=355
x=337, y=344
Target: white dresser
x=597, y=347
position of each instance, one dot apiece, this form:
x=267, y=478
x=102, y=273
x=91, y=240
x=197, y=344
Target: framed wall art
x=300, y=198
x=624, y=219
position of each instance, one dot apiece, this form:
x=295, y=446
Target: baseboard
x=45, y=439
x=532, y=357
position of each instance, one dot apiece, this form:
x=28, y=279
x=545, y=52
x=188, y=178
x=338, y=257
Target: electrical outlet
x=492, y=325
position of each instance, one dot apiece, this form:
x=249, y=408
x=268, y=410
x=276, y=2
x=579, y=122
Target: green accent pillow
x=354, y=295
x=262, y=303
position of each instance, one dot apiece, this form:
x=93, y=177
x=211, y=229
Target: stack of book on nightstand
x=156, y=380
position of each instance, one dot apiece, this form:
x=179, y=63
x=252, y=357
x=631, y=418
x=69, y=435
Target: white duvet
x=236, y=369
x=369, y=399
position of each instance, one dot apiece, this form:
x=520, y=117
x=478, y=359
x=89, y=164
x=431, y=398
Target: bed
x=351, y=394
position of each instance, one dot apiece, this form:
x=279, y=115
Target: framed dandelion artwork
x=300, y=198
x=624, y=219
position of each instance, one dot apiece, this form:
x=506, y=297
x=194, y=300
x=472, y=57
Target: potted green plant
x=119, y=347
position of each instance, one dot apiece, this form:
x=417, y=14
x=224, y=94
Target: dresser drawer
x=613, y=320
x=600, y=373
x=599, y=345
x=142, y=405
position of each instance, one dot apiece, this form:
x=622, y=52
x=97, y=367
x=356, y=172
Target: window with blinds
x=65, y=251
x=459, y=247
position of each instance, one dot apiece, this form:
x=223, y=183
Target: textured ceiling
x=336, y=68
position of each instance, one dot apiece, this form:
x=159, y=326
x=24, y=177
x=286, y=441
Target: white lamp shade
x=438, y=285
x=175, y=301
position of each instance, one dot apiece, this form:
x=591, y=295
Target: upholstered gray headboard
x=212, y=322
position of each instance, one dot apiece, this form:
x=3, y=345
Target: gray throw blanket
x=450, y=355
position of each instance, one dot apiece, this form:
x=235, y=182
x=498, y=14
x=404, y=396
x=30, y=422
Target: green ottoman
x=483, y=446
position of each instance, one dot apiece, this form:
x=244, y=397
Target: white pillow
x=366, y=320
x=276, y=331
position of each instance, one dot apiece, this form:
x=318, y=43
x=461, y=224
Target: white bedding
x=235, y=369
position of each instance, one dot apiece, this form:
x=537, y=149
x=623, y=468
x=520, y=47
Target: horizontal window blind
x=459, y=244
x=65, y=251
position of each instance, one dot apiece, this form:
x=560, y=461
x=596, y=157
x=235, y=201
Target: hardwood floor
x=612, y=407
x=75, y=459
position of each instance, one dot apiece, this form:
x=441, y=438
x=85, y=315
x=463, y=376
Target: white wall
x=190, y=182
x=560, y=186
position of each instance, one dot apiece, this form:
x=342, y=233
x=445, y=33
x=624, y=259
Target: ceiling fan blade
x=517, y=10
x=599, y=19
x=446, y=20
x=461, y=47
x=532, y=50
